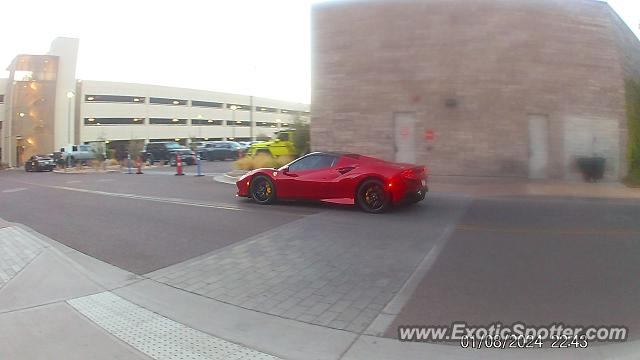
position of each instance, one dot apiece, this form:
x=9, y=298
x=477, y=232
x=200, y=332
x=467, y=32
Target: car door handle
x=290, y=174
x=345, y=170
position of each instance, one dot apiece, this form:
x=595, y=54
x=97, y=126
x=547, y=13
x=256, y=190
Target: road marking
x=74, y=182
x=596, y=232
x=173, y=173
x=155, y=335
x=153, y=198
x=14, y=190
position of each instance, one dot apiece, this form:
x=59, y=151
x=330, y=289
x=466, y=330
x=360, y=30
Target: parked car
x=78, y=153
x=373, y=184
x=201, y=148
x=223, y=150
x=40, y=163
x=166, y=151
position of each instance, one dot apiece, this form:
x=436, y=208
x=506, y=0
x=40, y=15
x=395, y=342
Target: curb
x=85, y=172
x=230, y=177
x=226, y=179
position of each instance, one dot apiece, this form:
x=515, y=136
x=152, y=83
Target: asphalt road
x=535, y=260
x=170, y=219
x=509, y=259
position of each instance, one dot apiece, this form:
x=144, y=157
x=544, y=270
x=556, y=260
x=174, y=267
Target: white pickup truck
x=77, y=153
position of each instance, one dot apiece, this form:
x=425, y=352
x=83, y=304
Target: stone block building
x=474, y=87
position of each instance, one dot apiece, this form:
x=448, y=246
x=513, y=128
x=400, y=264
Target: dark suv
x=222, y=150
x=167, y=153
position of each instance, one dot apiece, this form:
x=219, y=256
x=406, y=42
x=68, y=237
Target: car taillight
x=416, y=173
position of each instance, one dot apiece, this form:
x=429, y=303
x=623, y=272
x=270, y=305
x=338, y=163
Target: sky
x=255, y=47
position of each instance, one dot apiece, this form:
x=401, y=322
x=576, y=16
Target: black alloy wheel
x=262, y=190
x=372, y=197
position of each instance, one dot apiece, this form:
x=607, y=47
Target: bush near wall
x=633, y=118
x=261, y=161
x=302, y=137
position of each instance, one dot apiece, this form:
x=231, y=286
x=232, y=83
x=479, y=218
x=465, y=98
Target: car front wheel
x=262, y=190
x=372, y=197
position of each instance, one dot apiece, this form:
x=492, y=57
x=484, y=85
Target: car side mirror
x=277, y=140
x=285, y=170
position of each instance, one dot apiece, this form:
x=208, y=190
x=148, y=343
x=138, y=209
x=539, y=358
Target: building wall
x=145, y=110
x=3, y=90
x=629, y=54
x=66, y=49
x=501, y=61
x=29, y=125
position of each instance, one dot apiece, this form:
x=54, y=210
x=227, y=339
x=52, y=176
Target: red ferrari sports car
x=371, y=183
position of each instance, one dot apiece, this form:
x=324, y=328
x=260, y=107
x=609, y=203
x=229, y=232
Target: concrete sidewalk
x=57, y=303
x=495, y=186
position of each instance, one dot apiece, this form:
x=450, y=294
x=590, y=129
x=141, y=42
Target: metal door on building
x=405, y=137
x=538, y=146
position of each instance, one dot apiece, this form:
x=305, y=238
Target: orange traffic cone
x=179, y=164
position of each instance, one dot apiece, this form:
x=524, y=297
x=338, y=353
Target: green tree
x=633, y=125
x=302, y=136
x=135, y=148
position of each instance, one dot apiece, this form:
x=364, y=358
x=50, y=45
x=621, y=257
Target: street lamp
x=70, y=95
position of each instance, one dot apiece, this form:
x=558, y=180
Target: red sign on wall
x=429, y=135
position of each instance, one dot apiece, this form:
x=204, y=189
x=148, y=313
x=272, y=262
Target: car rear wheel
x=262, y=190
x=372, y=197
x=173, y=161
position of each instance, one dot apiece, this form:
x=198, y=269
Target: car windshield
x=320, y=179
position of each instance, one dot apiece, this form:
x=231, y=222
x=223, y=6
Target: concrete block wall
x=500, y=60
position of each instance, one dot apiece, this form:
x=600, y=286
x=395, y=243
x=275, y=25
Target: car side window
x=326, y=161
x=311, y=162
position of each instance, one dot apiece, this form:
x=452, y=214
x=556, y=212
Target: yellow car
x=281, y=145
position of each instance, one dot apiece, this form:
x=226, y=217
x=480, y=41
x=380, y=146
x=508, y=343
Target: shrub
x=632, y=92
x=261, y=161
x=112, y=162
x=301, y=138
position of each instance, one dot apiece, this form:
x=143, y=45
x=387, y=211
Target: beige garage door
x=538, y=146
x=405, y=137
